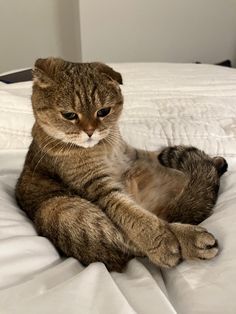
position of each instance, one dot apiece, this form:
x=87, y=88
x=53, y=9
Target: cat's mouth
x=90, y=142
x=83, y=140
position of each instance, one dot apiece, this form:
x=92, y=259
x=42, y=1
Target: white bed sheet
x=165, y=104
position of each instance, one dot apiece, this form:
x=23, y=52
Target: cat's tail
x=195, y=202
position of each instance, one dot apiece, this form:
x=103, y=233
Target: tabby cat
x=99, y=199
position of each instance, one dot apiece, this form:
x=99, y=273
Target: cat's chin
x=89, y=143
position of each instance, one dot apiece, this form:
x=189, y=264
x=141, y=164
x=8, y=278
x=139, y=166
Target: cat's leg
x=199, y=195
x=80, y=229
x=141, y=183
x=152, y=236
x=112, y=231
x=75, y=226
x=184, y=190
x=159, y=188
x=174, y=156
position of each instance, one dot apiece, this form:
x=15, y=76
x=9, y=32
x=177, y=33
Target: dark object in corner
x=226, y=63
x=21, y=76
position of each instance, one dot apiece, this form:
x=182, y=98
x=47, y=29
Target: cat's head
x=77, y=103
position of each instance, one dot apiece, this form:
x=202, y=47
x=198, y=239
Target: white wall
x=37, y=28
x=117, y=30
x=158, y=30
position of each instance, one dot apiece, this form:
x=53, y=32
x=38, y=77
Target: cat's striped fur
x=97, y=198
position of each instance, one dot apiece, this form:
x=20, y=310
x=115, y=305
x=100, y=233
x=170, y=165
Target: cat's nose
x=89, y=131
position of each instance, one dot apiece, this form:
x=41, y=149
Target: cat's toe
x=220, y=164
x=206, y=246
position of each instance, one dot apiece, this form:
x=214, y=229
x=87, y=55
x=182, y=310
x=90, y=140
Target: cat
x=97, y=198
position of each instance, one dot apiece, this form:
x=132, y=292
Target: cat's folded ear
x=108, y=71
x=45, y=70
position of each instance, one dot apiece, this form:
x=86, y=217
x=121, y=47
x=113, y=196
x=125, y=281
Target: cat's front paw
x=164, y=249
x=196, y=242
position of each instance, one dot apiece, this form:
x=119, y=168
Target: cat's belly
x=152, y=185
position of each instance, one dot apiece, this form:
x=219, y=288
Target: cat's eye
x=103, y=112
x=69, y=115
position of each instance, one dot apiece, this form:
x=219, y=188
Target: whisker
x=37, y=164
x=48, y=140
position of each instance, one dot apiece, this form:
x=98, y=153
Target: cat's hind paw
x=220, y=164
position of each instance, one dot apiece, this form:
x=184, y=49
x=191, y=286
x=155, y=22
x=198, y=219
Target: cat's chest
x=118, y=163
x=113, y=162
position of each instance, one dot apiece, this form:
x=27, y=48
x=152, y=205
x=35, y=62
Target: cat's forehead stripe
x=82, y=100
x=78, y=98
x=93, y=92
x=86, y=95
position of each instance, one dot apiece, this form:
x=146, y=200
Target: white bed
x=165, y=104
